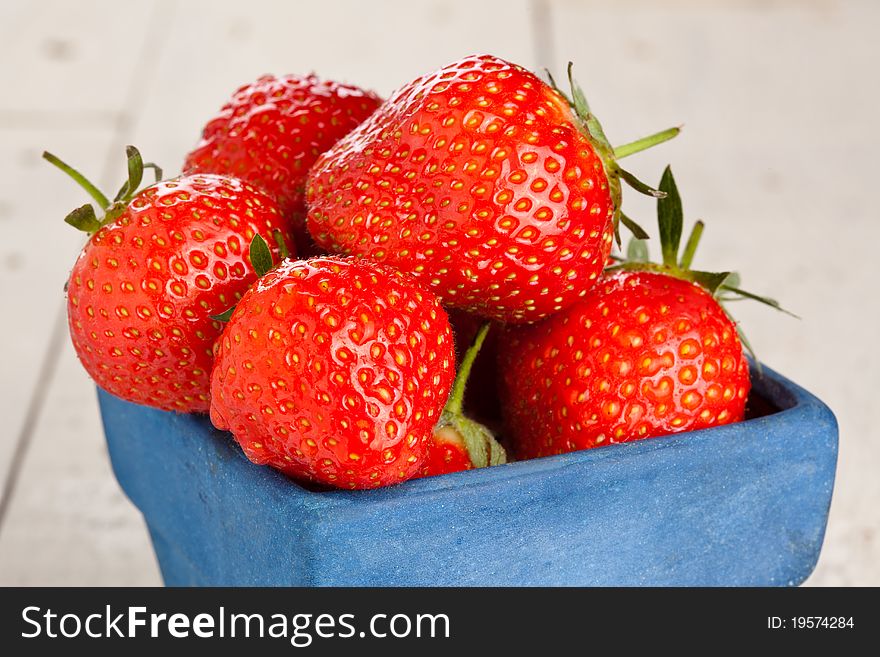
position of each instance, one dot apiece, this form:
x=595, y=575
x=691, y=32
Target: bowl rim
x=790, y=401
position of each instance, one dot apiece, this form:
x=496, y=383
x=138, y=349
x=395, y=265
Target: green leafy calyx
x=724, y=286
x=592, y=129
x=85, y=218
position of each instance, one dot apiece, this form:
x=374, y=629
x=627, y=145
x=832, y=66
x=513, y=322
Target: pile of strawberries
x=323, y=274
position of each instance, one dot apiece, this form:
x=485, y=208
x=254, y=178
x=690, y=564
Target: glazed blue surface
x=744, y=504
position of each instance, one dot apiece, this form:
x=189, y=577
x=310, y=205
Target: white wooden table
x=779, y=102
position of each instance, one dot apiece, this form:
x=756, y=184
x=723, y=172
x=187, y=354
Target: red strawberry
x=156, y=266
x=481, y=181
x=272, y=130
x=649, y=352
x=334, y=370
x=458, y=442
x=645, y=354
x=448, y=453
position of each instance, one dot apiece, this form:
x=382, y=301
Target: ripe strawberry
x=645, y=354
x=484, y=183
x=447, y=453
x=649, y=352
x=458, y=442
x=156, y=265
x=272, y=130
x=334, y=370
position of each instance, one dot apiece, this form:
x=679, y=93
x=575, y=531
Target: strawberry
x=272, y=130
x=334, y=370
x=649, y=352
x=447, y=453
x=156, y=265
x=483, y=182
x=458, y=442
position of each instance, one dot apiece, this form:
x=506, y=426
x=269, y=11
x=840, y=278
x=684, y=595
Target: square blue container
x=743, y=504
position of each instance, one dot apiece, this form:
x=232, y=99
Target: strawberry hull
x=742, y=504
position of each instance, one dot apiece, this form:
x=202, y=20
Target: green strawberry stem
x=456, y=399
x=84, y=218
x=83, y=182
x=481, y=445
x=645, y=143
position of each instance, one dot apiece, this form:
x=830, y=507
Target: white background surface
x=779, y=103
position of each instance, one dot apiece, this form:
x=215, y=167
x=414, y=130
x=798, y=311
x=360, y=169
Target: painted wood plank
x=69, y=523
x=68, y=59
x=377, y=45
x=36, y=254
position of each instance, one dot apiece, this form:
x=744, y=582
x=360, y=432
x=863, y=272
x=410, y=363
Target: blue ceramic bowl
x=743, y=504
